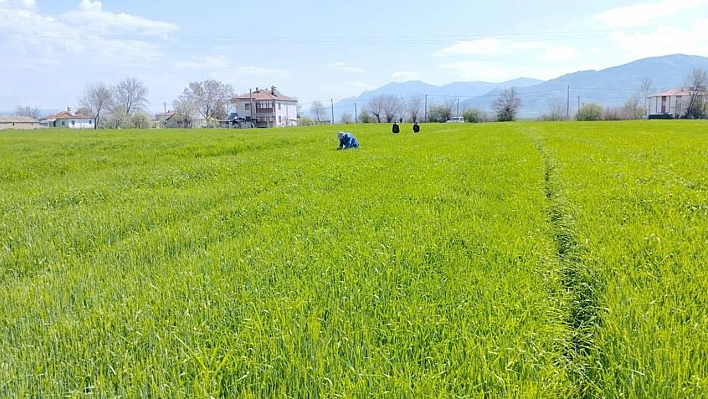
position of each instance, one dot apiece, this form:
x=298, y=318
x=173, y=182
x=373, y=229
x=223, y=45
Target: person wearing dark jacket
x=416, y=127
x=346, y=141
x=395, y=128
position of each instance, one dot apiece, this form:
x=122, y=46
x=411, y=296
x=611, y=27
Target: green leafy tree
x=140, y=120
x=439, y=113
x=591, y=111
x=474, y=115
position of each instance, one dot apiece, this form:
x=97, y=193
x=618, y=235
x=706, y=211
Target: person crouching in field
x=346, y=141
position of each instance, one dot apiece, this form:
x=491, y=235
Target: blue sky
x=321, y=50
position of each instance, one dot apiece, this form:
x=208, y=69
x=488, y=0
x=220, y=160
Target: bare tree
x=130, y=96
x=85, y=112
x=697, y=103
x=97, y=98
x=376, y=106
x=346, y=118
x=317, y=110
x=646, y=88
x=557, y=112
x=633, y=108
x=413, y=107
x=27, y=110
x=507, y=105
x=391, y=107
x=211, y=97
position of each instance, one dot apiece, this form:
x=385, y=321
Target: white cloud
x=98, y=37
x=646, y=14
x=346, y=67
x=18, y=3
x=91, y=19
x=88, y=5
x=487, y=46
x=661, y=41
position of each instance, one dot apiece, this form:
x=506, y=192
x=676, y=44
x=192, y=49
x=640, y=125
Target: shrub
x=474, y=115
x=591, y=111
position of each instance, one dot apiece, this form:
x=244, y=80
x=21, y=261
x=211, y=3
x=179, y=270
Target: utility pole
x=578, y=105
x=250, y=105
x=567, y=105
x=356, y=114
x=458, y=107
x=425, y=113
x=331, y=101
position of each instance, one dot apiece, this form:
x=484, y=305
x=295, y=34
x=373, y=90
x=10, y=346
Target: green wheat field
x=536, y=260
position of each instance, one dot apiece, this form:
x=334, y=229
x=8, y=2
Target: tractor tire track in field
x=581, y=284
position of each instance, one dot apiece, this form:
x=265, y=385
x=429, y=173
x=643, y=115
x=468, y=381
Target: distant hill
x=609, y=87
x=435, y=93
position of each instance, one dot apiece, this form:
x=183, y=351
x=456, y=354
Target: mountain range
x=609, y=87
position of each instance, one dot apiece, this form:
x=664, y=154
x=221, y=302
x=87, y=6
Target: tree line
x=124, y=105
x=505, y=107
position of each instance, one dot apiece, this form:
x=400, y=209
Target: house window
x=278, y=106
x=248, y=107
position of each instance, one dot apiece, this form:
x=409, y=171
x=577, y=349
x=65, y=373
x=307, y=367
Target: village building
x=68, y=119
x=266, y=108
x=673, y=103
x=18, y=122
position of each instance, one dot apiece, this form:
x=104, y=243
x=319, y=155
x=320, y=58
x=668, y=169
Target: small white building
x=68, y=119
x=266, y=108
x=671, y=103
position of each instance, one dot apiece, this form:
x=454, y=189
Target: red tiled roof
x=681, y=91
x=264, y=94
x=67, y=115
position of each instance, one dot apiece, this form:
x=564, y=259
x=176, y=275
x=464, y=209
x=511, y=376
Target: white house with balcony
x=266, y=108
